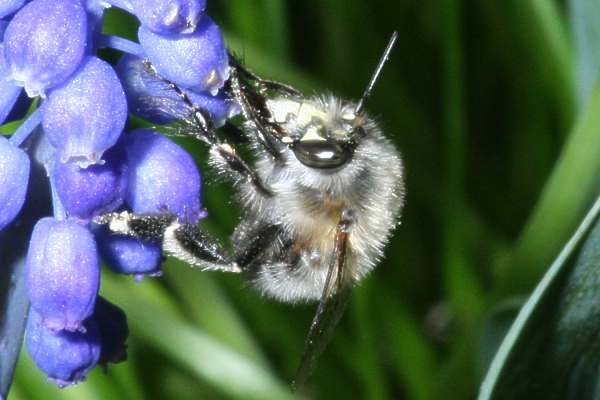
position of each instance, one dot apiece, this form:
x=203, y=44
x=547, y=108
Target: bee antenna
x=384, y=58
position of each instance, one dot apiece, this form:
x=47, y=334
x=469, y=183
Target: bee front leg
x=224, y=155
x=186, y=242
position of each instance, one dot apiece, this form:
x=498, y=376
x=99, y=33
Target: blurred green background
x=500, y=149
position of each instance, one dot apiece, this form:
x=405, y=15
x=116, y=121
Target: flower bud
x=95, y=190
x=152, y=99
x=112, y=324
x=197, y=61
x=163, y=177
x=66, y=357
x=85, y=117
x=129, y=255
x=45, y=42
x=9, y=91
x=62, y=273
x=169, y=16
x=8, y=7
x=14, y=179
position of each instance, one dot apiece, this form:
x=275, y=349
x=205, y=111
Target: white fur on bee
x=308, y=202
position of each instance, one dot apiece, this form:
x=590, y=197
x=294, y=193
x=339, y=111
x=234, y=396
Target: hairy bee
x=319, y=203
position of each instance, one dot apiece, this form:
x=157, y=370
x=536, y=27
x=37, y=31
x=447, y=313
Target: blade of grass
x=209, y=307
x=228, y=371
x=461, y=283
x=412, y=357
x=544, y=31
x=368, y=366
x=585, y=24
x=562, y=203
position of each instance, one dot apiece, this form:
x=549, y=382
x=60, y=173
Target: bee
x=318, y=204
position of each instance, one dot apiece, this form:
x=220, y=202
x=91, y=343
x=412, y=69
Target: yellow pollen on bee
x=340, y=133
x=312, y=133
x=307, y=113
x=282, y=109
x=227, y=148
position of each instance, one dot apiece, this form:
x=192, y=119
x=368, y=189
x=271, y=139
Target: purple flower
x=197, y=61
x=151, y=98
x=66, y=357
x=85, y=117
x=14, y=179
x=9, y=91
x=45, y=42
x=112, y=324
x=169, y=16
x=62, y=273
x=8, y=7
x=128, y=255
x=162, y=177
x=49, y=49
x=95, y=190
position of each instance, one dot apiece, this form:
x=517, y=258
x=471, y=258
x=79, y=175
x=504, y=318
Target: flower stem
x=26, y=128
x=121, y=44
x=57, y=205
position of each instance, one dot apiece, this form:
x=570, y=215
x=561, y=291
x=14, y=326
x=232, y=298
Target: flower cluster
x=48, y=50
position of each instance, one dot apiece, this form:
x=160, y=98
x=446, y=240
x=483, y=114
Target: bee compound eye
x=322, y=154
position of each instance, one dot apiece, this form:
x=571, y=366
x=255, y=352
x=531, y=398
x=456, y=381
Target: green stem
x=460, y=282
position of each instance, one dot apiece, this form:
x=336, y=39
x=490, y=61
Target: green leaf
x=496, y=327
x=585, y=24
x=552, y=350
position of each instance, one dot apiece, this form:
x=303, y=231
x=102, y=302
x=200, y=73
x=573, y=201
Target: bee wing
x=334, y=299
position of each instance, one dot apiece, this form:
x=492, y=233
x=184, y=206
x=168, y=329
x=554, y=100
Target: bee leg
x=264, y=84
x=186, y=242
x=149, y=227
x=255, y=246
x=254, y=110
x=224, y=152
x=226, y=159
x=196, y=247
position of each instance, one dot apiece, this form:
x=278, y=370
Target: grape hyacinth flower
x=66, y=357
x=94, y=165
x=63, y=273
x=152, y=188
x=98, y=189
x=152, y=100
x=86, y=116
x=185, y=59
x=14, y=177
x=8, y=7
x=44, y=43
x=169, y=17
x=128, y=255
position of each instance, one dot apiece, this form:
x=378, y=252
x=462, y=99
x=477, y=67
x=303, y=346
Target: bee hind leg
x=186, y=242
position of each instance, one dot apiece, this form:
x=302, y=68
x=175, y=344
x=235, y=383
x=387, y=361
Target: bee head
x=322, y=133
